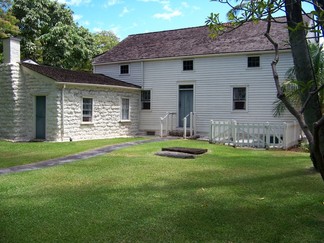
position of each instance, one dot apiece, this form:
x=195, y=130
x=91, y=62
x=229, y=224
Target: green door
x=185, y=103
x=40, y=117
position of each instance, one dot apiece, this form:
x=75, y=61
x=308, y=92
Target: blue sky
x=125, y=17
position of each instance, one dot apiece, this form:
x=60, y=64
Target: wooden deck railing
x=259, y=135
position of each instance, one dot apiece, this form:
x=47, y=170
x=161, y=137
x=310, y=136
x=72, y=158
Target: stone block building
x=46, y=103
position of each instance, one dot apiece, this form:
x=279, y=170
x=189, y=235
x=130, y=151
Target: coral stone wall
x=19, y=87
x=18, y=91
x=106, y=113
x=9, y=76
x=38, y=85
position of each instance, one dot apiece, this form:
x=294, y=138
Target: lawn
x=12, y=154
x=131, y=195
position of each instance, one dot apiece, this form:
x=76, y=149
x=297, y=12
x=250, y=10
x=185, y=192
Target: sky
x=126, y=17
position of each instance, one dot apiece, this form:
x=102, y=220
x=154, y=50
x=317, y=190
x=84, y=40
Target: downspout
x=140, y=102
x=62, y=114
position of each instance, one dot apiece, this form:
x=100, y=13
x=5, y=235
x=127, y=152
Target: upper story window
x=253, y=61
x=146, y=99
x=239, y=98
x=124, y=69
x=87, y=110
x=188, y=65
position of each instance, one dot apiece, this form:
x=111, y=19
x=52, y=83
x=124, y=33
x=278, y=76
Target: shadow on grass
x=206, y=205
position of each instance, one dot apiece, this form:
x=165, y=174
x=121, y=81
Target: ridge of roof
x=77, y=77
x=195, y=41
x=161, y=31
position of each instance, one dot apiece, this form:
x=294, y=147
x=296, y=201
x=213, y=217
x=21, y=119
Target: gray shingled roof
x=194, y=42
x=78, y=77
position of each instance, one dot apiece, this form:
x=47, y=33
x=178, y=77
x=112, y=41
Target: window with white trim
x=87, y=115
x=146, y=99
x=253, y=61
x=239, y=98
x=124, y=69
x=125, y=111
x=187, y=65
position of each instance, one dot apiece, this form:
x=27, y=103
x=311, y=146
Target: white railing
x=260, y=135
x=167, y=123
x=192, y=125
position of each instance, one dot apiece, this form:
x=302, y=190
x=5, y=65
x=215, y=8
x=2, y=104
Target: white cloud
x=156, y=1
x=96, y=29
x=115, y=29
x=74, y=2
x=77, y=17
x=185, y=4
x=85, y=23
x=196, y=8
x=124, y=11
x=167, y=8
x=168, y=14
x=111, y=3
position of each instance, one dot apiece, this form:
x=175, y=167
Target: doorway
x=40, y=117
x=185, y=102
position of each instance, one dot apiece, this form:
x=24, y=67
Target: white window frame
x=247, y=62
x=146, y=101
x=246, y=98
x=120, y=68
x=82, y=109
x=193, y=65
x=121, y=109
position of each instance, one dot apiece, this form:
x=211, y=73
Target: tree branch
x=317, y=149
x=311, y=94
x=280, y=93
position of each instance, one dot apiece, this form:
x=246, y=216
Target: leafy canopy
x=8, y=22
x=105, y=40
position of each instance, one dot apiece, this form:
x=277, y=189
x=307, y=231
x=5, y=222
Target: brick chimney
x=11, y=50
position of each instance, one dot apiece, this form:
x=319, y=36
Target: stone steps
x=181, y=152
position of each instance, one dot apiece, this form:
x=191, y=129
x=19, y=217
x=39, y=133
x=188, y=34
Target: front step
x=178, y=133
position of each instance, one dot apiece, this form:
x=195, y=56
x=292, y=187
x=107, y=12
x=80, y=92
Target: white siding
x=213, y=79
x=113, y=70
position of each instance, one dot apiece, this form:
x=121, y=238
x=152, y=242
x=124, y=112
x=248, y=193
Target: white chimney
x=11, y=50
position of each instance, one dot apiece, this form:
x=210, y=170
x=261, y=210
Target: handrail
x=192, y=126
x=166, y=118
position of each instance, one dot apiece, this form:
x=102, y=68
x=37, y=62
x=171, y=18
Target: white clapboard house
x=181, y=72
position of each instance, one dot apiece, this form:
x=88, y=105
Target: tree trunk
x=304, y=74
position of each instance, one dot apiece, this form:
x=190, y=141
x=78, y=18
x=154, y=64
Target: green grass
x=13, y=154
x=131, y=195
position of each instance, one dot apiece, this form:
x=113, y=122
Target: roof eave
x=98, y=85
x=193, y=56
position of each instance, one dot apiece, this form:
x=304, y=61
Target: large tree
x=50, y=36
x=310, y=117
x=105, y=40
x=290, y=85
x=8, y=22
